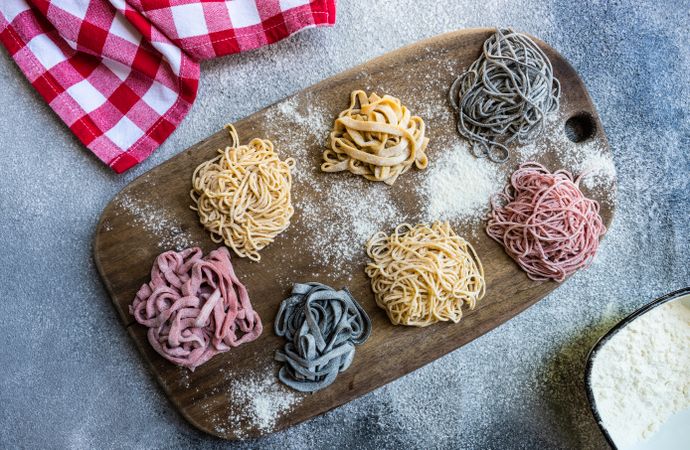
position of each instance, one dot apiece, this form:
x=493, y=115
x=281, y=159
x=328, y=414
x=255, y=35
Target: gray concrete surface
x=71, y=378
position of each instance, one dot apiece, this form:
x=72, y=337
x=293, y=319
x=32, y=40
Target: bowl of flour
x=638, y=377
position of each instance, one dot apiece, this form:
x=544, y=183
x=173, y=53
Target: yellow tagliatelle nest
x=424, y=274
x=377, y=138
x=242, y=195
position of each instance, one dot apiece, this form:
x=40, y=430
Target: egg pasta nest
x=377, y=138
x=424, y=274
x=242, y=195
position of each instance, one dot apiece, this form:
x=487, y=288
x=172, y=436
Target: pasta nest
x=377, y=138
x=545, y=223
x=424, y=274
x=243, y=196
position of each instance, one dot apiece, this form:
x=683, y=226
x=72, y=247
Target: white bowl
x=674, y=433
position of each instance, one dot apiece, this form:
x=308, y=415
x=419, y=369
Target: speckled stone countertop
x=71, y=377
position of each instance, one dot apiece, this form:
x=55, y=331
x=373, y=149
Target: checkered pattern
x=122, y=74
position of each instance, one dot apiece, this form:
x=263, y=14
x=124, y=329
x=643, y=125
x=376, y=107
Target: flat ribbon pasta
x=377, y=138
x=242, y=195
x=424, y=274
x=195, y=307
x=322, y=327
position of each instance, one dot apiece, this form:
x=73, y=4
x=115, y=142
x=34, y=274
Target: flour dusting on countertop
x=641, y=376
x=312, y=121
x=304, y=139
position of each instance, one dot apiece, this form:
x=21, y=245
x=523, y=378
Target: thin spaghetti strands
x=322, y=327
x=195, y=307
x=424, y=274
x=545, y=223
x=505, y=95
x=377, y=138
x=242, y=195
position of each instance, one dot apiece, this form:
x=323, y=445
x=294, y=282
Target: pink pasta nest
x=545, y=223
x=195, y=307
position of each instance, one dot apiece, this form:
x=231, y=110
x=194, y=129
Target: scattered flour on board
x=183, y=377
x=308, y=130
x=426, y=97
x=460, y=186
x=364, y=211
x=364, y=206
x=333, y=199
x=588, y=159
x=456, y=186
x=595, y=166
x=313, y=121
x=263, y=402
x=158, y=223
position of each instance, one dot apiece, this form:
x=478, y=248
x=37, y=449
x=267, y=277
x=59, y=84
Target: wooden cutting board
x=236, y=395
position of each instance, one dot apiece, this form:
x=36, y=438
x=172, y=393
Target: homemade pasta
x=195, y=307
x=242, y=195
x=424, y=274
x=545, y=223
x=322, y=326
x=505, y=95
x=377, y=138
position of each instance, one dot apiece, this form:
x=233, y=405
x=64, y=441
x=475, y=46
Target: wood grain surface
x=152, y=215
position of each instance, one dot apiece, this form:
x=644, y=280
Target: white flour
x=304, y=139
x=163, y=226
x=264, y=401
x=641, y=376
x=314, y=121
x=333, y=199
x=588, y=159
x=591, y=161
x=459, y=186
x=364, y=206
x=596, y=167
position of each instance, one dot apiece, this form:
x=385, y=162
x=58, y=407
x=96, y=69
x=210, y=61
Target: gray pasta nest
x=322, y=327
x=505, y=95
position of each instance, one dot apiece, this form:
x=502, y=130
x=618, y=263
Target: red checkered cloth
x=122, y=74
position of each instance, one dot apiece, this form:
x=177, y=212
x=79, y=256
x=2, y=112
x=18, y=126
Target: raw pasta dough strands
x=505, y=95
x=322, y=327
x=376, y=138
x=424, y=274
x=545, y=223
x=242, y=195
x=195, y=307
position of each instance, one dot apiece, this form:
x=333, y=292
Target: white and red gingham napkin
x=122, y=74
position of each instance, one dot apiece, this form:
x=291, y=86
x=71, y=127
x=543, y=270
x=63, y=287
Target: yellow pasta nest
x=424, y=274
x=377, y=138
x=242, y=195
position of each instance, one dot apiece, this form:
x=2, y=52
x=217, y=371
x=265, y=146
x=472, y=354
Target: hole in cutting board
x=580, y=127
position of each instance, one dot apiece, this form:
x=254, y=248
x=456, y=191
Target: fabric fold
x=123, y=74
